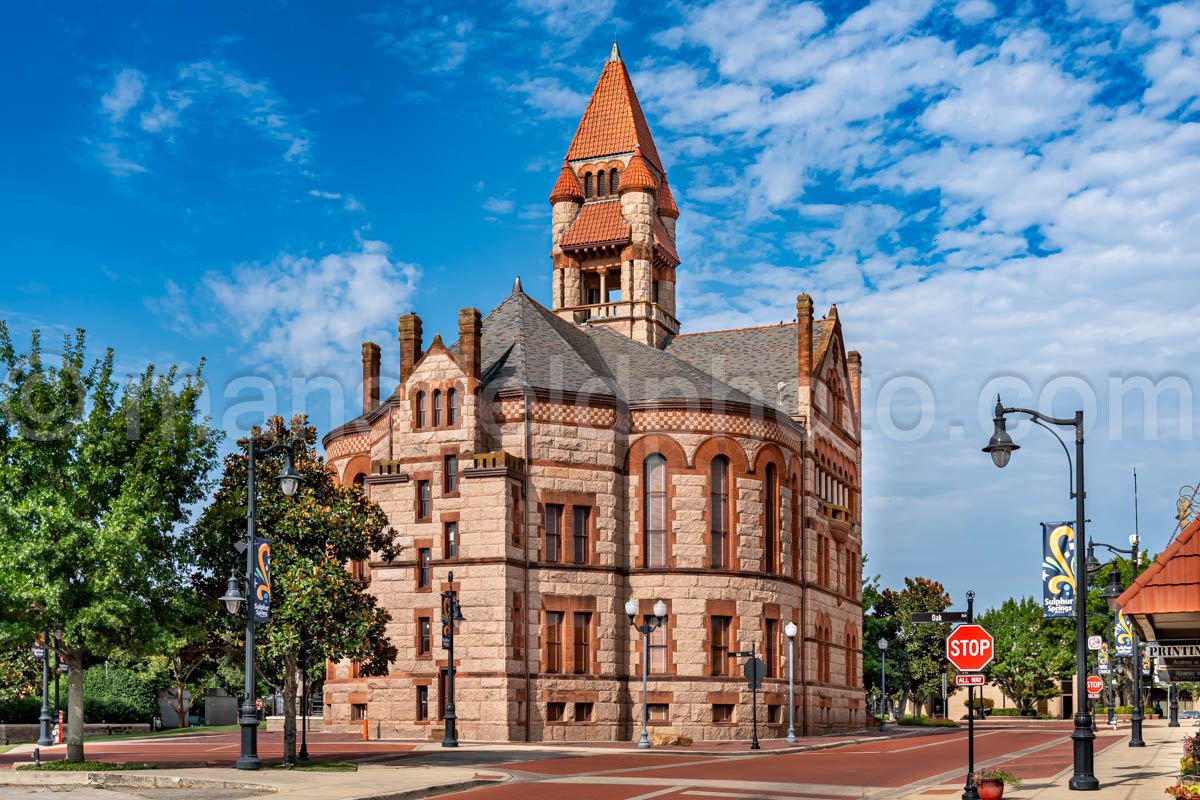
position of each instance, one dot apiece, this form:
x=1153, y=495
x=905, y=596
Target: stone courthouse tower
x=560, y=461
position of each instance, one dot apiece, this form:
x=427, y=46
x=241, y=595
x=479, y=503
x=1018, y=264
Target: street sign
x=1095, y=642
x=39, y=652
x=970, y=648
x=1095, y=685
x=969, y=679
x=258, y=703
x=754, y=671
x=939, y=617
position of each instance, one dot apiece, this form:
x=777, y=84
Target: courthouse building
x=561, y=459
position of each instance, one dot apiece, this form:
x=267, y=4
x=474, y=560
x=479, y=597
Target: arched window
x=437, y=408
x=452, y=407
x=601, y=183
x=422, y=419
x=655, y=511
x=587, y=184
x=613, y=181
x=770, y=519
x=718, y=513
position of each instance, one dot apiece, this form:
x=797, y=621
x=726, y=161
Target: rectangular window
x=722, y=712
x=655, y=511
x=358, y=712
x=718, y=528
x=518, y=627
x=422, y=703
x=554, y=620
x=450, y=474
x=553, y=546
x=518, y=515
x=582, y=516
x=718, y=628
x=450, y=539
x=424, y=574
x=658, y=649
x=659, y=712
x=555, y=712
x=583, y=642
x=424, y=501
x=583, y=712
x=771, y=647
x=774, y=714
x=424, y=627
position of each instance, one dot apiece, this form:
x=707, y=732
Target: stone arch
x=635, y=458
x=359, y=465
x=721, y=445
x=770, y=452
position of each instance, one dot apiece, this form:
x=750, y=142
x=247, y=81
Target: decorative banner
x=262, y=580
x=1124, y=636
x=1147, y=667
x=447, y=619
x=1058, y=569
x=1104, y=661
x=39, y=650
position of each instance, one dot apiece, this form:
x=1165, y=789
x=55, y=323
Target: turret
x=566, y=198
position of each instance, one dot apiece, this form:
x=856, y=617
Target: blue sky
x=998, y=196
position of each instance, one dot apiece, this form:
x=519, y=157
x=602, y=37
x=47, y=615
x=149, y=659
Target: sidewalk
x=1125, y=773
x=371, y=781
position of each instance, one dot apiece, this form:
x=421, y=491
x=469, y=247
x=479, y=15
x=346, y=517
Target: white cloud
x=126, y=92
x=497, y=205
x=423, y=39
x=303, y=315
x=972, y=12
x=572, y=19
x=549, y=96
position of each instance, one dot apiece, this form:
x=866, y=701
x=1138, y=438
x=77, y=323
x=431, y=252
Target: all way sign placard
x=968, y=679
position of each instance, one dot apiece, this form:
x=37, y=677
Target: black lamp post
x=1111, y=592
x=755, y=680
x=1001, y=447
x=44, y=739
x=645, y=629
x=451, y=616
x=289, y=481
x=883, y=645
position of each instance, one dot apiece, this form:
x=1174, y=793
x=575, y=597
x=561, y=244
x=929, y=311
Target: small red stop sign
x=1095, y=684
x=970, y=648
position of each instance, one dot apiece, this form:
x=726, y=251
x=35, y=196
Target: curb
x=120, y=778
x=431, y=791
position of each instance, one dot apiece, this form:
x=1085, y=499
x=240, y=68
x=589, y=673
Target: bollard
x=366, y=730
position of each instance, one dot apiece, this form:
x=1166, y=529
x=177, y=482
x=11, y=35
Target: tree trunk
x=74, y=705
x=290, y=685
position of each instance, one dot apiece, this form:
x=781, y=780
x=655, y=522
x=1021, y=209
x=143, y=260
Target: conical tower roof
x=666, y=200
x=613, y=122
x=567, y=186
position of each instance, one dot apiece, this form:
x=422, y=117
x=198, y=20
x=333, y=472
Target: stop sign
x=1095, y=684
x=970, y=648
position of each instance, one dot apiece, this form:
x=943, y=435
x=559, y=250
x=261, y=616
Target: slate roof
x=753, y=360
x=613, y=121
x=525, y=344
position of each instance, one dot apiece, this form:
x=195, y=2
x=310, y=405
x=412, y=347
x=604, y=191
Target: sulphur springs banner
x=1058, y=569
x=1124, y=636
x=1103, y=661
x=262, y=580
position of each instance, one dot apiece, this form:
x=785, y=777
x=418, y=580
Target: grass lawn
x=4, y=748
x=82, y=766
x=169, y=732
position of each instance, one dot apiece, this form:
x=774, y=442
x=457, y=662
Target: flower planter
x=990, y=789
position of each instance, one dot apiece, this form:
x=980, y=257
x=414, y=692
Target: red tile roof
x=663, y=239
x=666, y=201
x=598, y=223
x=637, y=175
x=567, y=186
x=1172, y=583
x=613, y=122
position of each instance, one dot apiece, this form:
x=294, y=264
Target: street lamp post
x=1001, y=447
x=883, y=645
x=1111, y=593
x=289, y=481
x=755, y=679
x=645, y=629
x=1173, y=705
x=44, y=718
x=790, y=631
x=451, y=616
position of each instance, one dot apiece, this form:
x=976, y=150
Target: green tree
x=95, y=479
x=316, y=604
x=1033, y=654
x=917, y=651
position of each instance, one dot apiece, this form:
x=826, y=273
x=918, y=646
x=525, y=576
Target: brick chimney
x=370, y=376
x=804, y=340
x=410, y=345
x=470, y=338
x=854, y=367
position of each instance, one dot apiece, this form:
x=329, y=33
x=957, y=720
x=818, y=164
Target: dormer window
x=601, y=183
x=612, y=180
x=587, y=185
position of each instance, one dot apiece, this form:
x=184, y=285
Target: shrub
x=928, y=722
x=20, y=710
x=118, y=695
x=1005, y=712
